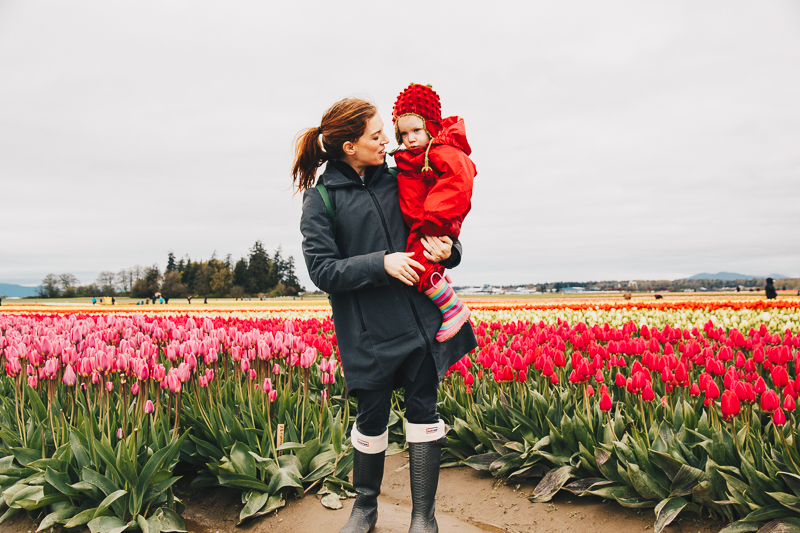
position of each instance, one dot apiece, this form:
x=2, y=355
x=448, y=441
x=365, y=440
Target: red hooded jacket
x=436, y=202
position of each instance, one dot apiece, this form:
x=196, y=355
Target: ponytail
x=308, y=157
x=345, y=121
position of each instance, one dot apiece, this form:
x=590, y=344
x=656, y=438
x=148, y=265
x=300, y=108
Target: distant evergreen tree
x=241, y=277
x=289, y=277
x=258, y=270
x=171, y=263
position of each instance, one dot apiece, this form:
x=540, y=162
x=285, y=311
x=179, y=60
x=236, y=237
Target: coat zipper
x=391, y=249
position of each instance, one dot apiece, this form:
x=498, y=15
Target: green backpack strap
x=327, y=201
x=393, y=171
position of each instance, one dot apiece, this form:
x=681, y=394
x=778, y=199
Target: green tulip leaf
x=56, y=517
x=26, y=456
x=770, y=512
x=667, y=511
x=685, y=480
x=782, y=525
x=81, y=518
x=106, y=503
x=582, y=485
x=331, y=501
x=171, y=522
x=307, y=453
x=320, y=472
x=635, y=503
x=290, y=446
x=550, y=484
x=242, y=482
x=243, y=462
x=645, y=485
x=107, y=524
x=59, y=481
x=253, y=505
x=284, y=477
x=740, y=527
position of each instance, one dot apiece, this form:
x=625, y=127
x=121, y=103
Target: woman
x=385, y=329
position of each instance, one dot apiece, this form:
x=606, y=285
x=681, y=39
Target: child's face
x=412, y=132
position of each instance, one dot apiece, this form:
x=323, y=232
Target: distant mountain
x=730, y=276
x=16, y=291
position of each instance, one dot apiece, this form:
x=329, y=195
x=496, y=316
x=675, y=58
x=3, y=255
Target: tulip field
x=685, y=406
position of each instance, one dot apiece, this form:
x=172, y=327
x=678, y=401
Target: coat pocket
x=360, y=313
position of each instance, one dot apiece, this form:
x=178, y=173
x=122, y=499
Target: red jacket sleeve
x=450, y=198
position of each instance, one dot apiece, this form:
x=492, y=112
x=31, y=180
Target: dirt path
x=468, y=502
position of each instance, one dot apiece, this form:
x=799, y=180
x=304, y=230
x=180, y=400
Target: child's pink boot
x=454, y=312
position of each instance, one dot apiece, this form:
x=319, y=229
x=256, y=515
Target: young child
x=435, y=183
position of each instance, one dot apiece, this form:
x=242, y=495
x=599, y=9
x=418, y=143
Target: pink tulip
x=252, y=375
x=120, y=434
x=245, y=365
x=69, y=378
x=209, y=375
x=51, y=368
x=267, y=387
x=183, y=372
x=276, y=369
x=191, y=361
x=13, y=367
x=32, y=381
x=104, y=362
x=273, y=395
x=135, y=389
x=148, y=407
x=159, y=373
x=109, y=386
x=174, y=383
x=144, y=373
x=202, y=381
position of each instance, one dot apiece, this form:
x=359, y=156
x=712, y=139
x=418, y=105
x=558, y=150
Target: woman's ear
x=349, y=148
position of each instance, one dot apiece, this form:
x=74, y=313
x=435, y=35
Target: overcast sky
x=613, y=140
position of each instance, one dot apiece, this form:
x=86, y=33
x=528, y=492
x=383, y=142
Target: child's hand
x=437, y=249
x=400, y=265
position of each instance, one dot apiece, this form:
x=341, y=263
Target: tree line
x=258, y=274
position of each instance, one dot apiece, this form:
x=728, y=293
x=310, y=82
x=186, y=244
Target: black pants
x=421, y=395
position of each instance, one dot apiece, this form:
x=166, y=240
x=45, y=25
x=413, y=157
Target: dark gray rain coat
x=384, y=328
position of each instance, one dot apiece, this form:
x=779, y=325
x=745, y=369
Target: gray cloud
x=614, y=140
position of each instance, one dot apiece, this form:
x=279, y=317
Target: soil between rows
x=468, y=502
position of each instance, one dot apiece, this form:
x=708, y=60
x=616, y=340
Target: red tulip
x=779, y=418
x=605, y=402
x=647, y=394
x=770, y=401
x=789, y=404
x=731, y=406
x=694, y=390
x=590, y=391
x=712, y=390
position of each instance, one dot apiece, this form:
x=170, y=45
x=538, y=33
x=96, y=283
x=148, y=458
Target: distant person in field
x=435, y=176
x=769, y=288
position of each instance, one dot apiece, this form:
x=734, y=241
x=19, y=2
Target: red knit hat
x=423, y=102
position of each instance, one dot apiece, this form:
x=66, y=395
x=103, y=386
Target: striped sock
x=454, y=312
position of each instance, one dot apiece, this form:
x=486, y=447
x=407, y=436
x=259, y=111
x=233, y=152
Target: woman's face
x=370, y=149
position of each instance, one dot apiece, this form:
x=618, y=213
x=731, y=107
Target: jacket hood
x=339, y=174
x=453, y=133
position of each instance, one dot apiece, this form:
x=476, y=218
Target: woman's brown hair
x=346, y=120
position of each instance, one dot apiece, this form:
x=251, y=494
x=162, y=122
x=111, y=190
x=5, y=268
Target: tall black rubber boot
x=367, y=478
x=423, y=459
